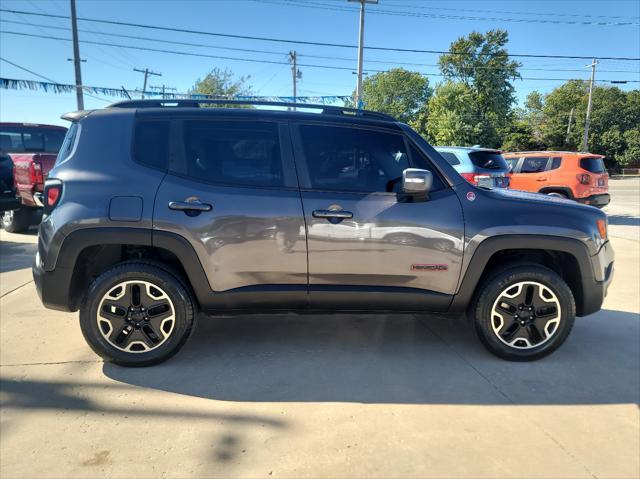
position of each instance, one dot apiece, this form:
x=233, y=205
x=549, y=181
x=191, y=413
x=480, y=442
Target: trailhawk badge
x=429, y=267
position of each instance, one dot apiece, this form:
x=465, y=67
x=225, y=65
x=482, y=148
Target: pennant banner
x=13, y=84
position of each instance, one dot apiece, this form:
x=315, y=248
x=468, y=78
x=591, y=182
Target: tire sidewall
x=499, y=283
x=172, y=286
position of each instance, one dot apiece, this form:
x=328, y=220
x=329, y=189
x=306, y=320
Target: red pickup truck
x=33, y=149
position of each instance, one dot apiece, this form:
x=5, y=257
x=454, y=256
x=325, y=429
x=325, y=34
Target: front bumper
x=602, y=264
x=595, y=200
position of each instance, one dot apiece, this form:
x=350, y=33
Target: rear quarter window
x=69, y=143
x=451, y=158
x=593, y=165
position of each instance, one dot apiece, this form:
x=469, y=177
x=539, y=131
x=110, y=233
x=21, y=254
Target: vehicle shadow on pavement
x=15, y=255
x=393, y=359
x=71, y=396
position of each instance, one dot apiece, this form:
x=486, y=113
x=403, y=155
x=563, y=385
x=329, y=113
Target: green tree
x=221, y=83
x=398, y=92
x=631, y=155
x=481, y=63
x=452, y=117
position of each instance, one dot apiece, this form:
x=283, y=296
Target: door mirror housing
x=416, y=182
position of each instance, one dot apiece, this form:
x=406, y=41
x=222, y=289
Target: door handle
x=541, y=179
x=189, y=206
x=332, y=214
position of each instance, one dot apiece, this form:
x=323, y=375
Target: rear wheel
x=137, y=314
x=17, y=221
x=557, y=194
x=524, y=313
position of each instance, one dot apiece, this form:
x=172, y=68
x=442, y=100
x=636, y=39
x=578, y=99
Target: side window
x=151, y=143
x=534, y=164
x=420, y=161
x=555, y=163
x=352, y=159
x=233, y=152
x=451, y=158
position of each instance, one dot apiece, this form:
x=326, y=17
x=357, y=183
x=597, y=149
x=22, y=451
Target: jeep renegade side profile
x=155, y=211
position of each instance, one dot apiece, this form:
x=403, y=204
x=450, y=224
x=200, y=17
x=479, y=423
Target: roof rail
x=195, y=103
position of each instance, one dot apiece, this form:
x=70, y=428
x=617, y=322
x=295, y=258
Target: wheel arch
x=565, y=190
x=88, y=252
x=567, y=257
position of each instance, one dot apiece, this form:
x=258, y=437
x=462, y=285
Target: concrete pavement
x=322, y=396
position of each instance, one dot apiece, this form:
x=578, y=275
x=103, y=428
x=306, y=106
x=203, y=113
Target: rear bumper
x=53, y=287
x=595, y=200
x=9, y=203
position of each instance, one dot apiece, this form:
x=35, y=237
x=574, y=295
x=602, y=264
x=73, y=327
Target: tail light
x=584, y=178
x=35, y=171
x=52, y=195
x=473, y=178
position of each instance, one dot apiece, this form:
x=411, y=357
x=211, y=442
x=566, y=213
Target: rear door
x=531, y=175
x=232, y=192
x=369, y=246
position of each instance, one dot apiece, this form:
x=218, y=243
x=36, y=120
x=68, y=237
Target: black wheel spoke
x=510, y=332
x=528, y=310
x=136, y=316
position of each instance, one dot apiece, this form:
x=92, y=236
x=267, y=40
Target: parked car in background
x=33, y=149
x=482, y=167
x=8, y=200
x=578, y=176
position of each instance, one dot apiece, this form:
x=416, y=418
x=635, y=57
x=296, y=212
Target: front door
x=369, y=246
x=233, y=194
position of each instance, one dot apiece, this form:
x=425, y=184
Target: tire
x=17, y=221
x=557, y=194
x=152, y=337
x=507, y=337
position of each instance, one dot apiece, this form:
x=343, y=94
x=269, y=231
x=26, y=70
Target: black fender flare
x=588, y=296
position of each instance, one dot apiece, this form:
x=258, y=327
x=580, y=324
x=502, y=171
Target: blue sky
x=331, y=21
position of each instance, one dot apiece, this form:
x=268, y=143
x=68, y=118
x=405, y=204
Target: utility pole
x=585, y=140
x=295, y=73
x=566, y=140
x=147, y=73
x=360, y=50
x=76, y=56
x=163, y=89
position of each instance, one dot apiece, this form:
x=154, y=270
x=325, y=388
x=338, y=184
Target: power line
x=339, y=8
x=279, y=53
x=305, y=42
x=44, y=77
x=273, y=62
x=27, y=70
x=549, y=14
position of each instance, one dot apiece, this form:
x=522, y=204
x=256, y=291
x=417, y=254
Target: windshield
x=594, y=165
x=490, y=160
x=30, y=139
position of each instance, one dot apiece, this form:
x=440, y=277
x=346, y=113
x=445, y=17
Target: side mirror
x=416, y=182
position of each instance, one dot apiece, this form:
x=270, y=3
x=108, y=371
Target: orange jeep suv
x=578, y=176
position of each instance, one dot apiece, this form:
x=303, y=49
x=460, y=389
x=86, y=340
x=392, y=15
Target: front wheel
x=137, y=314
x=524, y=313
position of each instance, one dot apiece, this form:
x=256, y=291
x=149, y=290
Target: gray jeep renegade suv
x=157, y=210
